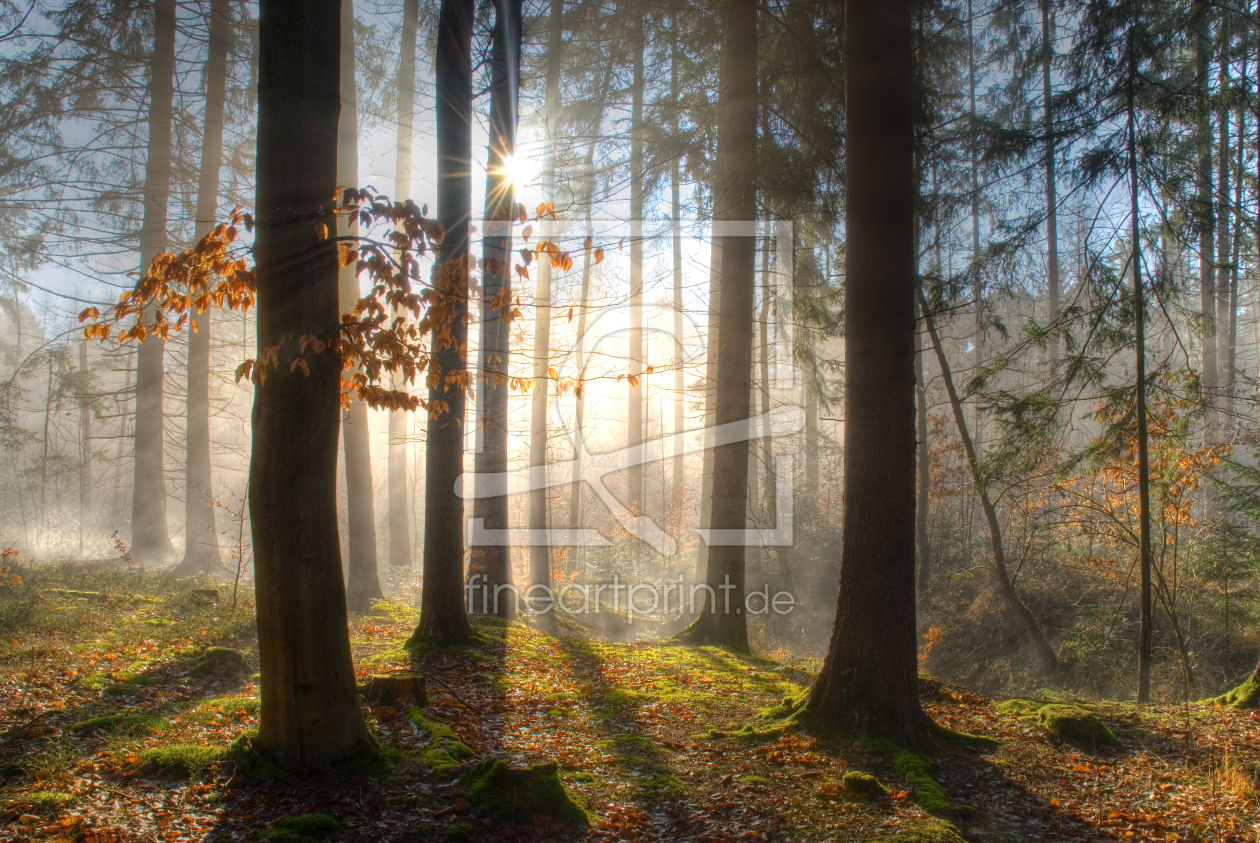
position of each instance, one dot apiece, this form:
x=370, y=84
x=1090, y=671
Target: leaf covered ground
x=113, y=730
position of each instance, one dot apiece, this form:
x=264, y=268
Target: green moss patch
x=522, y=793
x=862, y=787
x=1072, y=721
x=222, y=661
x=183, y=760
x=249, y=762
x=121, y=724
x=307, y=828
x=928, y=794
x=1245, y=696
x=928, y=831
x=1075, y=723
x=48, y=801
x=445, y=750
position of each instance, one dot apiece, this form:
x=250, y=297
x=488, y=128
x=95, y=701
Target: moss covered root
x=928, y=831
x=221, y=661
x=519, y=794
x=928, y=794
x=182, y=760
x=445, y=750
x=1245, y=696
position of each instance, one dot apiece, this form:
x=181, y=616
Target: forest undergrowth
x=123, y=715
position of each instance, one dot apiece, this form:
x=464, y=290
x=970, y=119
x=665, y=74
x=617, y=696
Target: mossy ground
x=519, y=794
x=1071, y=720
x=629, y=725
x=1243, y=696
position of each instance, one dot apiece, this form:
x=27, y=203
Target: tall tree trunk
x=150, y=539
x=1049, y=659
x=978, y=283
x=869, y=680
x=1052, y=199
x=1235, y=263
x=767, y=440
x=363, y=585
x=1146, y=611
x=579, y=403
x=310, y=713
x=201, y=535
x=1224, y=245
x=722, y=621
x=540, y=554
x=679, y=470
x=1207, y=223
x=494, y=561
x=85, y=441
x=635, y=385
x=443, y=618
x=396, y=466
x=925, y=466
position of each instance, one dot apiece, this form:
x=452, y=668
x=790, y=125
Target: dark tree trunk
x=399, y=519
x=494, y=561
x=443, y=618
x=310, y=712
x=869, y=681
x=1207, y=223
x=362, y=583
x=540, y=552
x=150, y=538
x=201, y=537
x=722, y=622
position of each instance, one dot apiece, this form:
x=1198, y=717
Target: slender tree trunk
x=1146, y=613
x=396, y=466
x=363, y=585
x=310, y=714
x=201, y=535
x=443, y=617
x=540, y=554
x=722, y=621
x=869, y=680
x=579, y=403
x=150, y=539
x=1235, y=263
x=1224, y=247
x=767, y=440
x=978, y=283
x=635, y=385
x=1207, y=224
x=1045, y=652
x=924, y=465
x=678, y=472
x=494, y=561
x=85, y=441
x=1052, y=200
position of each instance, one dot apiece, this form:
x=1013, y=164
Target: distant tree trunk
x=399, y=516
x=1231, y=338
x=579, y=403
x=1052, y=200
x=150, y=539
x=1224, y=245
x=201, y=536
x=978, y=283
x=767, y=440
x=363, y=585
x=1049, y=659
x=722, y=622
x=310, y=713
x=540, y=554
x=869, y=680
x=1207, y=223
x=679, y=470
x=494, y=561
x=1146, y=610
x=923, y=540
x=85, y=441
x=443, y=618
x=635, y=385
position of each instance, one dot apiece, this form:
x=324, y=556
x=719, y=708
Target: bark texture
x=443, y=617
x=869, y=680
x=310, y=713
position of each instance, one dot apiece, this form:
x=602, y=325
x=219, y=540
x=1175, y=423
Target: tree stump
x=397, y=691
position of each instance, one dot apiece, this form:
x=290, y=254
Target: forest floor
x=631, y=726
